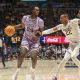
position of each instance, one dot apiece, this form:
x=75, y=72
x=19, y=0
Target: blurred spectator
x=59, y=52
x=5, y=51
x=78, y=15
x=1, y=50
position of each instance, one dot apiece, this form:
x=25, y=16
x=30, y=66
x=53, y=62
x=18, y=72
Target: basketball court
x=44, y=71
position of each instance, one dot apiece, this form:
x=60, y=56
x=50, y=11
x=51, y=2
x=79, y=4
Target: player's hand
x=38, y=33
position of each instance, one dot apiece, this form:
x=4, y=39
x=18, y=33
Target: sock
x=14, y=77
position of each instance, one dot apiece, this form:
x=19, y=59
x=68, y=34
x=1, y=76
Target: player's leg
x=63, y=62
x=74, y=55
x=21, y=56
x=3, y=57
x=34, y=54
x=23, y=52
x=3, y=60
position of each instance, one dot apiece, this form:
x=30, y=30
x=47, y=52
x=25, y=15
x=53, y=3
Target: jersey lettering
x=68, y=31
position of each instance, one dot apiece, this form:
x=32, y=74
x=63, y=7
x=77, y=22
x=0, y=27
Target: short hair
x=65, y=14
x=32, y=7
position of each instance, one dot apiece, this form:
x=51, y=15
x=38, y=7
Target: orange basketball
x=9, y=30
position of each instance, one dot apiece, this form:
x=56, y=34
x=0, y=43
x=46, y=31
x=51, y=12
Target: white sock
x=18, y=70
x=14, y=77
x=32, y=73
x=32, y=70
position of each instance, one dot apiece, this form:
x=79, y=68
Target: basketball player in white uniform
x=71, y=29
x=33, y=30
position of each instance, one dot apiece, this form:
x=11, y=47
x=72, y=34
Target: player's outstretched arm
x=19, y=26
x=49, y=31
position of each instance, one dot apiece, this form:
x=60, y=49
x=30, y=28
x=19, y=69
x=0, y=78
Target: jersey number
x=68, y=32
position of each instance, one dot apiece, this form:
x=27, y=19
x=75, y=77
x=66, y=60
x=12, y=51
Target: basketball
x=9, y=30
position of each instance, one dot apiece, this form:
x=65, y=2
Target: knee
x=21, y=55
x=22, y=52
x=34, y=54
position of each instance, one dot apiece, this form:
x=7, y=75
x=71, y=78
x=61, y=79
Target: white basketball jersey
x=71, y=30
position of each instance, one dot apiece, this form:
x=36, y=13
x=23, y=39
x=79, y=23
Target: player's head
x=64, y=18
x=34, y=10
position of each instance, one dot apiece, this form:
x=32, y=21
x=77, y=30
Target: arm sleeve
x=24, y=19
x=52, y=30
x=48, y=31
x=41, y=23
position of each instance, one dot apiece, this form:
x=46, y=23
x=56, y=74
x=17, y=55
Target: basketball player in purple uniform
x=33, y=30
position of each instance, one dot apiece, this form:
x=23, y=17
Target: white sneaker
x=14, y=77
x=32, y=71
